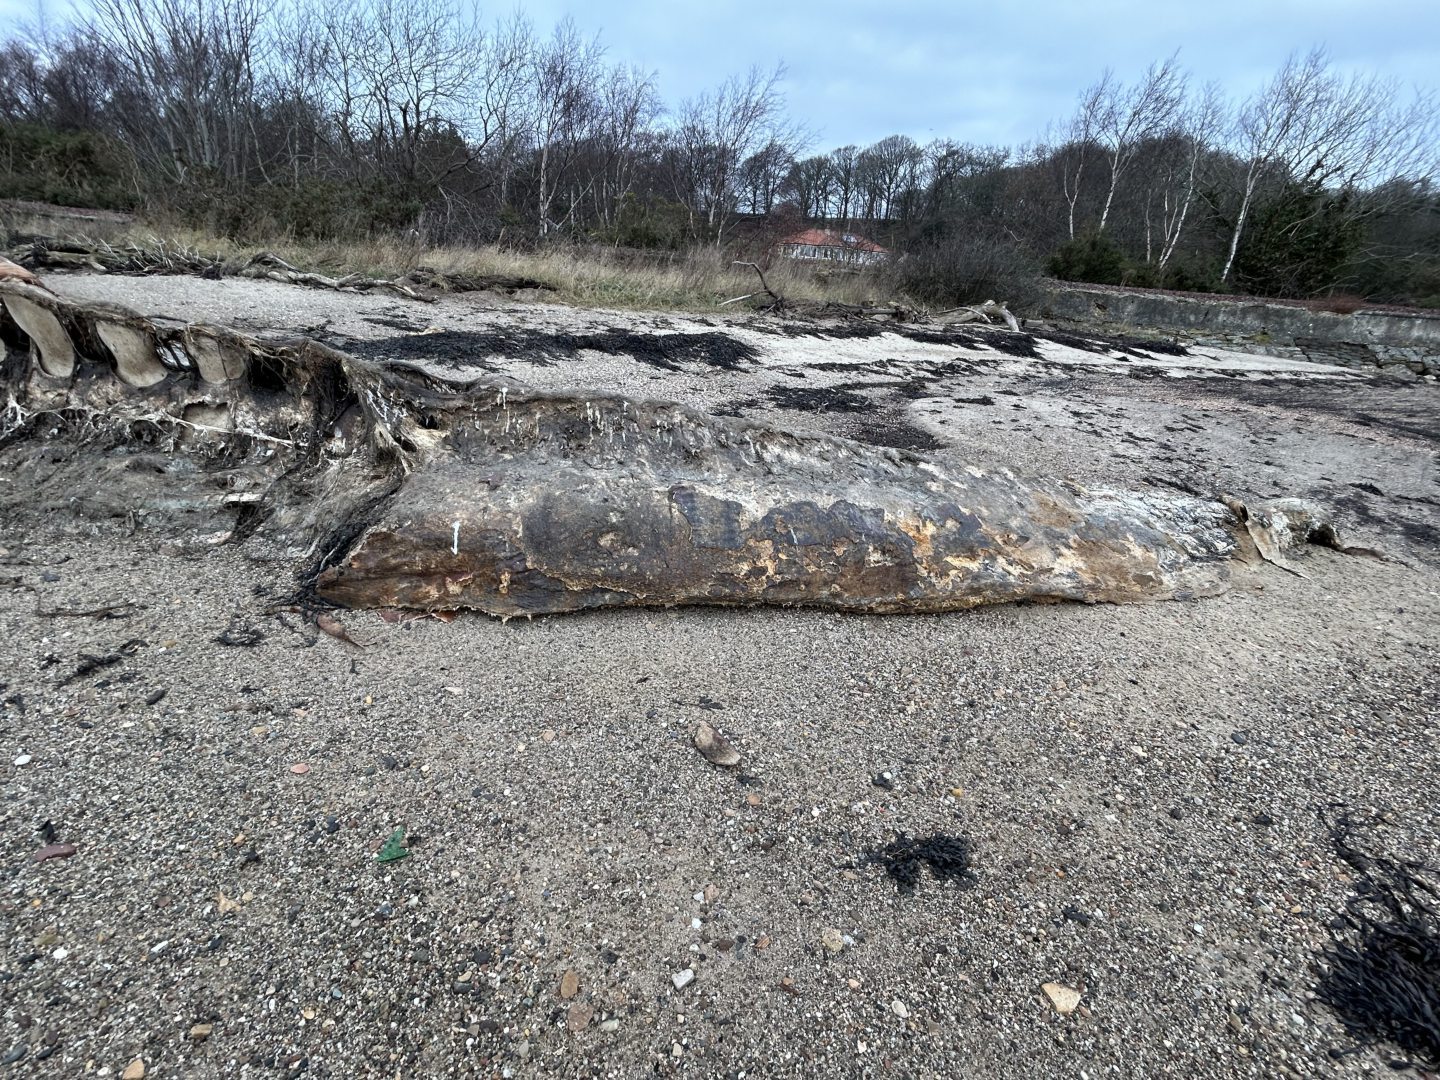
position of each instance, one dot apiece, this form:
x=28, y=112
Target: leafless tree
x=717, y=131
x=762, y=176
x=1076, y=143
x=1312, y=125
x=885, y=170
x=844, y=169
x=401, y=73
x=808, y=184
x=1128, y=115
x=190, y=71
x=1174, y=173
x=564, y=72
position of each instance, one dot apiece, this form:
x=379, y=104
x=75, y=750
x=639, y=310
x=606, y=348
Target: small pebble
x=23, y=759
x=682, y=979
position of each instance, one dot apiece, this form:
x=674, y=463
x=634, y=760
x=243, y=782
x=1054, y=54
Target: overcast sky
x=990, y=72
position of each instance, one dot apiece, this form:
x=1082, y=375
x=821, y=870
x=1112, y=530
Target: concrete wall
x=1364, y=339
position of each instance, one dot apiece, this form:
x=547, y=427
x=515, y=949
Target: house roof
x=828, y=238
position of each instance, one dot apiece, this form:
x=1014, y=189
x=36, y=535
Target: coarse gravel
x=1141, y=786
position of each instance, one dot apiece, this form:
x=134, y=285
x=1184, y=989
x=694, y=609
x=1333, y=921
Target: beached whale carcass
x=399, y=487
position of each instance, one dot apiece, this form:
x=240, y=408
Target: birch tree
x=1312, y=126
x=1127, y=116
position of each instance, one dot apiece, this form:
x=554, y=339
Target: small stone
x=60, y=953
x=201, y=1032
x=548, y=735
x=1064, y=998
x=1176, y=813
x=569, y=985
x=609, y=1026
x=682, y=979
x=884, y=780
x=752, y=799
x=300, y=770
x=308, y=1013
x=577, y=1017
x=54, y=851
x=711, y=892
x=853, y=984
x=1239, y=738
x=1263, y=820
x=832, y=940
x=714, y=747
x=763, y=941
x=134, y=1071
x=24, y=759
x=957, y=792
x=900, y=1009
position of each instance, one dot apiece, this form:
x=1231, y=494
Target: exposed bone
x=136, y=362
x=395, y=487
x=48, y=338
x=219, y=359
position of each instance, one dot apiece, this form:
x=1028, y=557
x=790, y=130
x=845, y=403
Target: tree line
x=319, y=119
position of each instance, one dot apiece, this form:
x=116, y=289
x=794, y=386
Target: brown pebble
x=54, y=851
x=569, y=985
x=577, y=1018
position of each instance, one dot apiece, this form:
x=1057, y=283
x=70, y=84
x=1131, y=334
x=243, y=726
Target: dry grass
x=590, y=277
x=698, y=280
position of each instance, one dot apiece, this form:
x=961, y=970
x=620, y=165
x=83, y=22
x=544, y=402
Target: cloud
x=983, y=73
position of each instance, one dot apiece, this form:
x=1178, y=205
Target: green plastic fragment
x=394, y=848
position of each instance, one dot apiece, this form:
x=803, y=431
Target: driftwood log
x=392, y=486
x=164, y=257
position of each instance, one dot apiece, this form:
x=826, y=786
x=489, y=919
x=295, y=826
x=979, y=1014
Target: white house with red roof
x=826, y=245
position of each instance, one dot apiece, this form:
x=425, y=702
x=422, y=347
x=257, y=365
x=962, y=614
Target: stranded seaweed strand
x=1380, y=973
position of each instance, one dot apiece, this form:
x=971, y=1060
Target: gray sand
x=1141, y=785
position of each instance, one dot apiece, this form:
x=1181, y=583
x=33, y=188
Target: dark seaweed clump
x=1381, y=971
x=820, y=399
x=474, y=347
x=906, y=857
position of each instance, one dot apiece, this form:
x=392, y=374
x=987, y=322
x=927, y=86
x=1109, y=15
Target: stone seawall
x=1366, y=339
